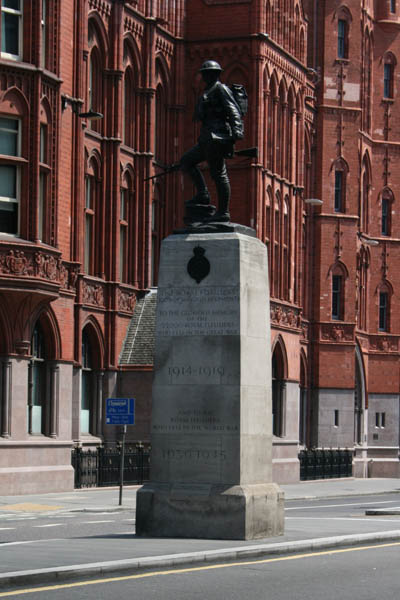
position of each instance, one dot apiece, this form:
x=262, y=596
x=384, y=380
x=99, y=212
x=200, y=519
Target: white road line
x=6, y=528
x=22, y=519
x=49, y=525
x=339, y=505
x=89, y=522
x=30, y=542
x=341, y=519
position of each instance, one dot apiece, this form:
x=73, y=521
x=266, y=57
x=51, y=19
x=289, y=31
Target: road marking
x=88, y=522
x=339, y=505
x=64, y=586
x=358, y=519
x=6, y=528
x=30, y=542
x=49, y=525
x=30, y=507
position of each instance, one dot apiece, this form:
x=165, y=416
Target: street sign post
x=120, y=411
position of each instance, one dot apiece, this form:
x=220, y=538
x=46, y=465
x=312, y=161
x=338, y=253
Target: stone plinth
x=211, y=468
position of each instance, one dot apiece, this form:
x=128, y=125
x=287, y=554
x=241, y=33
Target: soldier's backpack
x=240, y=96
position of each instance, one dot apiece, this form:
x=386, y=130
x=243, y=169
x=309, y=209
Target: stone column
x=54, y=385
x=6, y=395
x=211, y=471
x=99, y=403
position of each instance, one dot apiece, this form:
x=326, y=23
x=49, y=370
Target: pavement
x=59, y=559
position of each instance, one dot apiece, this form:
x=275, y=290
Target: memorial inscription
x=191, y=311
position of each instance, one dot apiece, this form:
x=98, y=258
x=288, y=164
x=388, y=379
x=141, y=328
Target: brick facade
x=81, y=228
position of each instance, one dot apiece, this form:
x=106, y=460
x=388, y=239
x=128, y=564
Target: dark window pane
x=387, y=81
x=10, y=33
x=383, y=310
x=8, y=181
x=385, y=216
x=14, y=4
x=338, y=191
x=342, y=25
x=8, y=217
x=336, y=296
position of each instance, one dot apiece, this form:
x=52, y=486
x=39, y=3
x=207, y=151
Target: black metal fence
x=325, y=464
x=101, y=466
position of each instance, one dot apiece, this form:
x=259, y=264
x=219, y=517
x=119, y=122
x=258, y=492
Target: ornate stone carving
x=285, y=316
x=16, y=263
x=384, y=343
x=337, y=333
x=126, y=301
x=93, y=293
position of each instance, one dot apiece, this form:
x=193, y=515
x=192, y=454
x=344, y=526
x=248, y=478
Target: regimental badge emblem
x=198, y=266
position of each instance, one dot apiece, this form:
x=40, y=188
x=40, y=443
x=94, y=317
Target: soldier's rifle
x=247, y=152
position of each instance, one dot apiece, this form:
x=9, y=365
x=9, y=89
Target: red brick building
x=96, y=95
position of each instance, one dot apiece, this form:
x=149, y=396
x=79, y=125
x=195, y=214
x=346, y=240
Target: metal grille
x=101, y=467
x=325, y=464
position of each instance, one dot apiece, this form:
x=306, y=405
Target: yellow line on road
x=65, y=586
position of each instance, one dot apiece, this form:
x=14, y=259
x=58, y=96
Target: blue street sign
x=120, y=411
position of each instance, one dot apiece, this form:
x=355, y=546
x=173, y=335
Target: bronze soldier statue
x=221, y=126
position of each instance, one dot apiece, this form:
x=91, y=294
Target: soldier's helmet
x=210, y=65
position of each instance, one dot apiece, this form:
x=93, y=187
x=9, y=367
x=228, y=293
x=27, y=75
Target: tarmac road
x=364, y=572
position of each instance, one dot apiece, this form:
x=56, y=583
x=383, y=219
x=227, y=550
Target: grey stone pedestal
x=211, y=418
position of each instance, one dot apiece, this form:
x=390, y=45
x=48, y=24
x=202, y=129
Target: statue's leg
x=219, y=174
x=189, y=162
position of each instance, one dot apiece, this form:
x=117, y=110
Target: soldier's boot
x=224, y=192
x=200, y=198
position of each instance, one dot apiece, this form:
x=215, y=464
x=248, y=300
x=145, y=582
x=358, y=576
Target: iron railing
x=100, y=466
x=325, y=464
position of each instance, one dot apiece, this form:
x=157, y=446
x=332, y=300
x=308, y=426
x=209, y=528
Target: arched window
x=268, y=17
x=367, y=83
x=90, y=218
x=386, y=212
x=44, y=212
x=43, y=35
x=340, y=179
x=37, y=384
x=388, y=75
x=10, y=175
x=343, y=28
x=280, y=131
x=160, y=127
x=338, y=293
x=269, y=211
x=278, y=392
x=96, y=62
x=277, y=246
x=384, y=298
x=128, y=116
x=286, y=249
x=127, y=251
x=87, y=389
x=157, y=222
x=272, y=106
x=362, y=276
x=366, y=185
